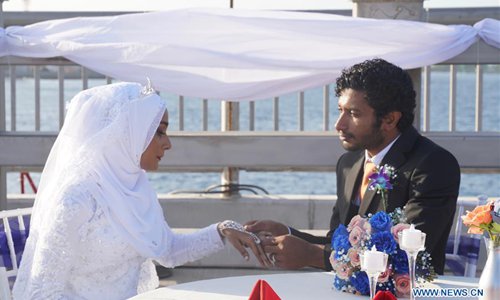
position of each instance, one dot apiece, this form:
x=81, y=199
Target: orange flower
x=475, y=230
x=480, y=215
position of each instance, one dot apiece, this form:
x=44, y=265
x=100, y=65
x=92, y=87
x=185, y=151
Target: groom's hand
x=291, y=252
x=275, y=228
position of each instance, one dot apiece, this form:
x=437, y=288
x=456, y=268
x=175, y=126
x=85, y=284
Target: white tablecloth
x=289, y=286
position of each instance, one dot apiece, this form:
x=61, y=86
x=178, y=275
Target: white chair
x=462, y=250
x=10, y=268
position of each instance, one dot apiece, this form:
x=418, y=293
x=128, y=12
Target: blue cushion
x=468, y=252
x=19, y=238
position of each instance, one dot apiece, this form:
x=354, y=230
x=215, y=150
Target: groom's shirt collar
x=377, y=158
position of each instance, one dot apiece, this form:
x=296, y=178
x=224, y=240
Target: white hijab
x=99, y=148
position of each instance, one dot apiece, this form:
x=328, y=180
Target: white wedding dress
x=84, y=257
x=96, y=221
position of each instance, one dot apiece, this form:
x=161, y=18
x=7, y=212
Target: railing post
x=2, y=81
x=401, y=10
x=3, y=188
x=1, y=13
x=3, y=171
x=230, y=121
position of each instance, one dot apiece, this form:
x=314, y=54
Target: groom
x=376, y=105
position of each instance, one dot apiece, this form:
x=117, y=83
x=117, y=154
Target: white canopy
x=239, y=54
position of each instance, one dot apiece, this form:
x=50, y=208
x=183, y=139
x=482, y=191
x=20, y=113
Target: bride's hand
x=241, y=240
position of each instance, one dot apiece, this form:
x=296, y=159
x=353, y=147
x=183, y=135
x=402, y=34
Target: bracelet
x=229, y=224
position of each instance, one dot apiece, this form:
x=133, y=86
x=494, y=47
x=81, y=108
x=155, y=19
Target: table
x=289, y=286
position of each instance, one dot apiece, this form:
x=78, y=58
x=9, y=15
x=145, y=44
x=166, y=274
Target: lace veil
x=98, y=150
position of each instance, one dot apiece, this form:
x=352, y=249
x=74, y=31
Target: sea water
x=314, y=183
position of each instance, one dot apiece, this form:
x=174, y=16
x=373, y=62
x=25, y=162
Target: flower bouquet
x=485, y=218
x=379, y=230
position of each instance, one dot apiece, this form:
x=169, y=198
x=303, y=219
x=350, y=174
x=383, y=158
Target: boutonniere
x=381, y=181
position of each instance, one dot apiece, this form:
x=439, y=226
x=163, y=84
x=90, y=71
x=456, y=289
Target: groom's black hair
x=387, y=88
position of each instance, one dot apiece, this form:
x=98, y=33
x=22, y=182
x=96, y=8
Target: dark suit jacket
x=427, y=183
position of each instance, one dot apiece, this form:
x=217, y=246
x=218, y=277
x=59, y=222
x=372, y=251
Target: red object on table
x=384, y=295
x=263, y=291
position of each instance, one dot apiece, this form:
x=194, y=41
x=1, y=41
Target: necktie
x=368, y=170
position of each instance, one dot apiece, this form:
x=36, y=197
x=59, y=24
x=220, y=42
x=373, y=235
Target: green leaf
x=485, y=226
x=495, y=227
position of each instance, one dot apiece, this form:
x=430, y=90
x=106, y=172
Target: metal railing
x=478, y=96
x=9, y=118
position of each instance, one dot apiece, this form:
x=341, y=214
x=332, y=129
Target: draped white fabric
x=239, y=54
x=489, y=31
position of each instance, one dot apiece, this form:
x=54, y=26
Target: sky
x=148, y=5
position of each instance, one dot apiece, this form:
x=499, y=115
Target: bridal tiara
x=148, y=89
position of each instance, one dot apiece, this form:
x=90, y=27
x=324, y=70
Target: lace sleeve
x=185, y=248
x=54, y=254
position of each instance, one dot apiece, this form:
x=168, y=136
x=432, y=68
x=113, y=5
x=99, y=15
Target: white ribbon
x=489, y=31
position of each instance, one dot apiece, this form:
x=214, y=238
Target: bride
x=97, y=223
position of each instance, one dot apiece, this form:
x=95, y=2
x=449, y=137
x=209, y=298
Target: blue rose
x=384, y=241
x=339, y=283
x=381, y=221
x=341, y=245
x=359, y=281
x=400, y=262
x=341, y=230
